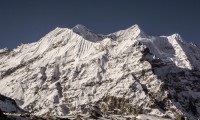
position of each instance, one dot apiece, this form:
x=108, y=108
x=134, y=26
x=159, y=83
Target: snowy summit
x=75, y=71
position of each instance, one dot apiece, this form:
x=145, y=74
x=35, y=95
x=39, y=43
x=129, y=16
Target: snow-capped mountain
x=76, y=71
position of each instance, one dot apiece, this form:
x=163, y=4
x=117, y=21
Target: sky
x=26, y=21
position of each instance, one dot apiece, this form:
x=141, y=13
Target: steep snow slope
x=73, y=71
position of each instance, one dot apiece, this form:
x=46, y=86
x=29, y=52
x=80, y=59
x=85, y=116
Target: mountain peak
x=135, y=26
x=176, y=36
x=80, y=29
x=138, y=28
x=78, y=26
x=86, y=33
x=132, y=32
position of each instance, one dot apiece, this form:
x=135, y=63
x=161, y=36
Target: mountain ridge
x=71, y=71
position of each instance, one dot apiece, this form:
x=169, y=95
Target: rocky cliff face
x=8, y=105
x=75, y=71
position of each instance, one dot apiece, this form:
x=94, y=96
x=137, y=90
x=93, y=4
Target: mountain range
x=125, y=74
